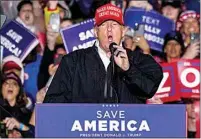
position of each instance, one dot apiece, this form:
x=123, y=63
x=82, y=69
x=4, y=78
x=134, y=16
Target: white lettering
x=122, y=114
x=144, y=126
x=89, y=125
x=184, y=80
x=153, y=38
x=76, y=126
x=111, y=114
x=102, y=125
x=110, y=125
x=161, y=88
x=114, y=125
x=86, y=35
x=84, y=45
x=99, y=115
x=16, y=37
x=10, y=46
x=150, y=20
x=123, y=127
x=152, y=29
x=132, y=122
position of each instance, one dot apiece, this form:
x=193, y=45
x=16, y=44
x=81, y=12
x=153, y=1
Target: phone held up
x=57, y=58
x=195, y=37
x=138, y=29
x=55, y=22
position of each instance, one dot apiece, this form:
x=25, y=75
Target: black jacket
x=82, y=78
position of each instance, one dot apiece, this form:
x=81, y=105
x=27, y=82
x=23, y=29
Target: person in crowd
x=14, y=113
x=30, y=19
x=173, y=47
x=31, y=77
x=47, y=68
x=30, y=16
x=12, y=63
x=189, y=25
x=54, y=46
x=132, y=41
x=25, y=15
x=57, y=7
x=140, y=4
x=86, y=75
x=171, y=9
x=191, y=121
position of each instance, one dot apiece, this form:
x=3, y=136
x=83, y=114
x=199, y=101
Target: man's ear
x=95, y=32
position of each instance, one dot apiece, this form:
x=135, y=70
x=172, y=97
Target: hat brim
x=14, y=77
x=106, y=19
x=11, y=65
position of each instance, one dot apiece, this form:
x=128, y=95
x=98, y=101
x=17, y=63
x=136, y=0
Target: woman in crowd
x=14, y=114
x=189, y=25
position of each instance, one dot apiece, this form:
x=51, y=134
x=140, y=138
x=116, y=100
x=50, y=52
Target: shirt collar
x=102, y=54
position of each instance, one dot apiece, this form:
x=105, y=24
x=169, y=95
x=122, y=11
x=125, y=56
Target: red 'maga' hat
x=108, y=12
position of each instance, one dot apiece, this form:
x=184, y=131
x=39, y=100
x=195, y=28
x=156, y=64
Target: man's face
x=26, y=14
x=170, y=12
x=108, y=32
x=173, y=49
x=190, y=25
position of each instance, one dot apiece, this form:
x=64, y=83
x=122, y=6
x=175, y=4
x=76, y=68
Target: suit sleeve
x=143, y=76
x=60, y=89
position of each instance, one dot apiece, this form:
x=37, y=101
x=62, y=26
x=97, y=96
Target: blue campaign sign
x=78, y=36
x=156, y=26
x=17, y=40
x=110, y=121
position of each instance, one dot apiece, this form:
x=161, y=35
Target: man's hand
x=141, y=42
x=51, y=37
x=120, y=57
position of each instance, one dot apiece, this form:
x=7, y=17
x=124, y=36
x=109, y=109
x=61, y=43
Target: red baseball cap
x=11, y=65
x=108, y=12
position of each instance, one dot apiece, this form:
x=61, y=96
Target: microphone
x=111, y=47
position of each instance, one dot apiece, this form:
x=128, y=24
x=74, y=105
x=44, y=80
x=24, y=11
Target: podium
x=110, y=121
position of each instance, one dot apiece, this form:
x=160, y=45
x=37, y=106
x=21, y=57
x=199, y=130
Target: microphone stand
x=112, y=72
